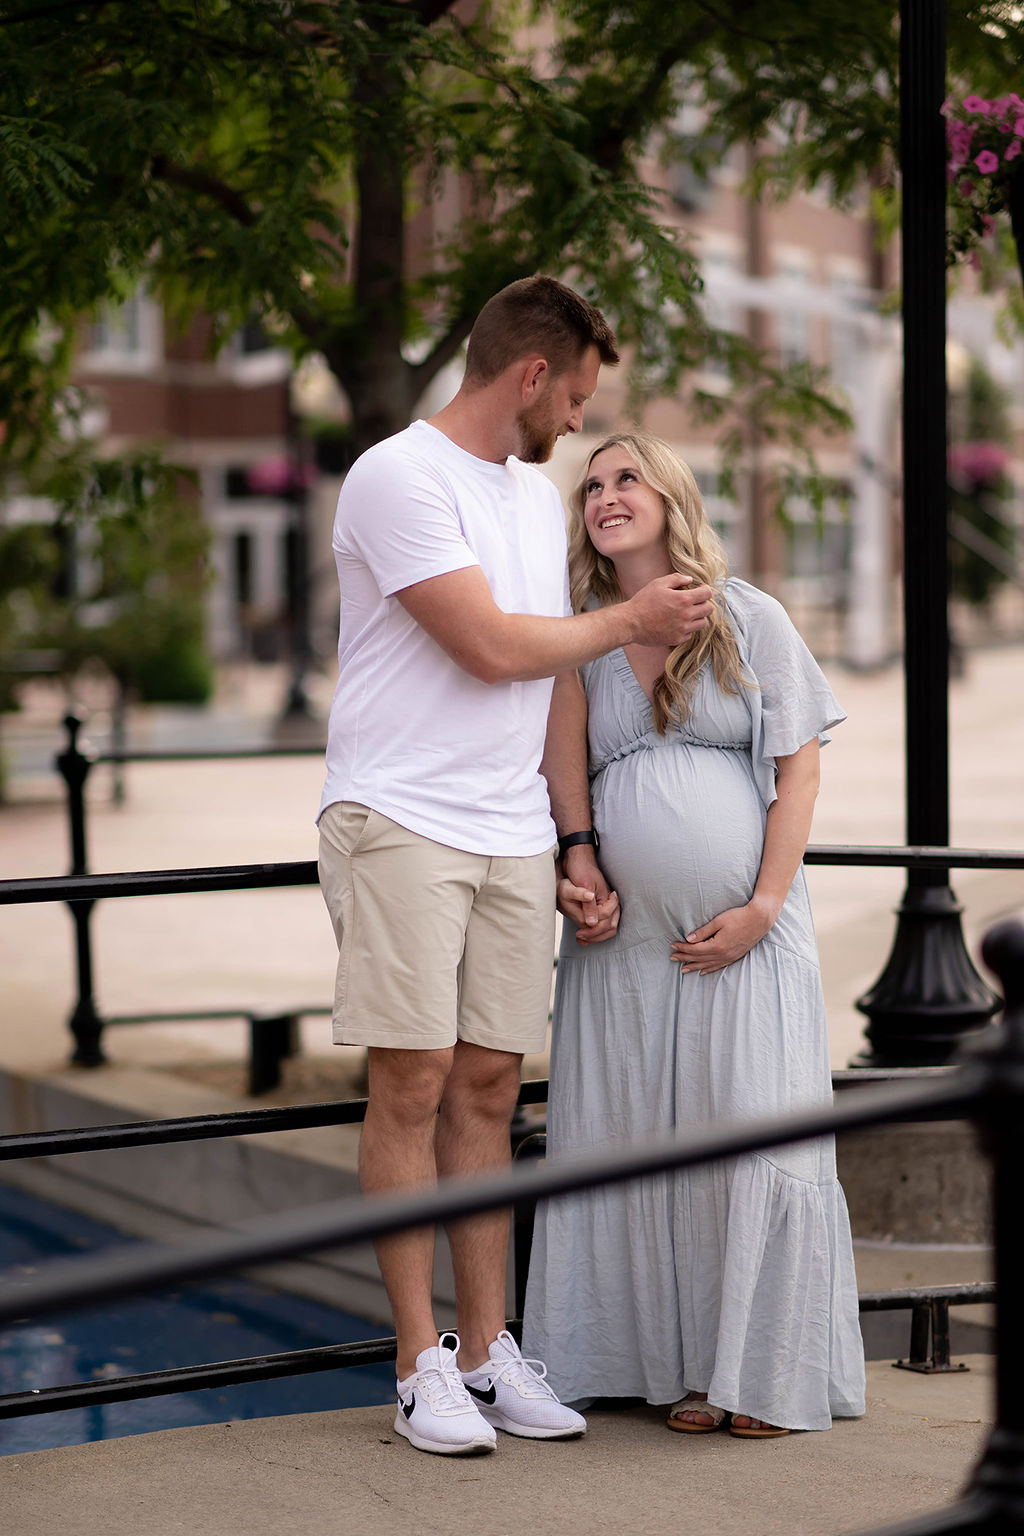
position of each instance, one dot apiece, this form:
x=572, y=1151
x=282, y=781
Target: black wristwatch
x=572, y=838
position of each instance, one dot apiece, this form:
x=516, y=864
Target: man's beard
x=537, y=434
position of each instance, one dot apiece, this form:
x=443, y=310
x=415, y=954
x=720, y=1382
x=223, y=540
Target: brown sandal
x=748, y=1432
x=693, y=1404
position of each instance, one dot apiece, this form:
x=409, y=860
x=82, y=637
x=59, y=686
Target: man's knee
x=483, y=1084
x=407, y=1086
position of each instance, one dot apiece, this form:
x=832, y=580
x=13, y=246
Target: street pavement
x=348, y=1472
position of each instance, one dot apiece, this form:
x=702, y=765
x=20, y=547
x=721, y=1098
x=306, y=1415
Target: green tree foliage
x=252, y=156
x=249, y=155
x=112, y=570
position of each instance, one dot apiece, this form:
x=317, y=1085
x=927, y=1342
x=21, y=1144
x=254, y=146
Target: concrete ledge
x=926, y=1182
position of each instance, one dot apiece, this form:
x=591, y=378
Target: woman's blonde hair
x=694, y=550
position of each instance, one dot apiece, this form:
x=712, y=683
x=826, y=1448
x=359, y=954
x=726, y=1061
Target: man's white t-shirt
x=411, y=734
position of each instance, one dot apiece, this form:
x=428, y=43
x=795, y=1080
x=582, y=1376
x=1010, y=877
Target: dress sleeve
x=792, y=703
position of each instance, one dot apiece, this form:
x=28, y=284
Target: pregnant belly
x=681, y=830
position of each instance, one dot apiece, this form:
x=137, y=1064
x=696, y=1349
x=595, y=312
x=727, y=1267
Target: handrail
x=238, y=1122
x=157, y=882
x=236, y=877
x=126, y=1270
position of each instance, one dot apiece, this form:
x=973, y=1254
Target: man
x=436, y=835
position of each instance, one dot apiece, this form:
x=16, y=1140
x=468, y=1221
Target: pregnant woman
x=727, y=1291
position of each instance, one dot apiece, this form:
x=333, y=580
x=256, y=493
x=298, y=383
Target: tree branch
x=211, y=186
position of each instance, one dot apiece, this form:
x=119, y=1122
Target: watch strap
x=572, y=838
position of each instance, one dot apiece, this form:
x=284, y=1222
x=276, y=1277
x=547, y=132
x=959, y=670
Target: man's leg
x=396, y=1152
x=473, y=1137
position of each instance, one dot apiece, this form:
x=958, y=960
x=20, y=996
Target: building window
x=125, y=336
x=818, y=550
x=792, y=322
x=845, y=340
x=722, y=312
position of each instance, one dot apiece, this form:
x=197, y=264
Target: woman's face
x=622, y=513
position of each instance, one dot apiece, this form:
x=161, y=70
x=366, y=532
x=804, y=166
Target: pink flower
x=977, y=104
x=988, y=224
x=958, y=139
x=978, y=463
x=1018, y=127
x=1012, y=150
x=987, y=162
x=966, y=188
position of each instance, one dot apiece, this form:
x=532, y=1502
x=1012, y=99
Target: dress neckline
x=620, y=662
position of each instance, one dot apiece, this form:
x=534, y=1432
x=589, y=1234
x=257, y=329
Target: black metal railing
x=273, y=1037
x=988, y=1088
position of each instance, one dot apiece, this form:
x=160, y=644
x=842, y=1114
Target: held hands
x=668, y=610
x=728, y=937
x=584, y=898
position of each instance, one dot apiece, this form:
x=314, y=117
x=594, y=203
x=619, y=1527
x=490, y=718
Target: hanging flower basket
x=985, y=169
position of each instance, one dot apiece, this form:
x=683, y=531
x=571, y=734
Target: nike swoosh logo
x=407, y=1408
x=490, y=1396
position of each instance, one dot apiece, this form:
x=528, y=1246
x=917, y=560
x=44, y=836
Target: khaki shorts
x=435, y=945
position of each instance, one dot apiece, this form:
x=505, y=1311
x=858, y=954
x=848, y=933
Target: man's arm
x=583, y=894
x=458, y=611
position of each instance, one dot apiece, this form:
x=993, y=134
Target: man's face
x=558, y=409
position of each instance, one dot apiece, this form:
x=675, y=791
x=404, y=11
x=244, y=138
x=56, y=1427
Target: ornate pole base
x=929, y=998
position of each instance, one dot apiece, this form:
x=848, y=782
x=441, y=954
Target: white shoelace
x=443, y=1389
x=527, y=1376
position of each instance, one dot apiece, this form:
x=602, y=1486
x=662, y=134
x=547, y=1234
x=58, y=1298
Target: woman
x=730, y=1288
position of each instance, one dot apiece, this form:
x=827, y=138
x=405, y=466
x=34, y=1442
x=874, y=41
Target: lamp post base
x=929, y=998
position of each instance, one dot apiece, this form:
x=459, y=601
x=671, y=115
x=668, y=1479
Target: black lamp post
x=929, y=996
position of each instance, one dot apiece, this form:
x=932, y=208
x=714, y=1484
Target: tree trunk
x=366, y=354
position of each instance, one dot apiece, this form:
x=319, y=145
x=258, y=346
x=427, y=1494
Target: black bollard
x=85, y=1024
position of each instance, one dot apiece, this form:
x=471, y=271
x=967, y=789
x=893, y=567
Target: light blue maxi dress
x=737, y=1279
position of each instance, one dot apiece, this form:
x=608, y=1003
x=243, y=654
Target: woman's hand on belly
x=726, y=938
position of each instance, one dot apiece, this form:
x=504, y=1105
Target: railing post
x=84, y=1023
x=523, y=1213
x=999, y=1477
x=272, y=1037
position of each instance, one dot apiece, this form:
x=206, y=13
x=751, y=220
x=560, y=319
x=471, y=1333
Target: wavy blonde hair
x=694, y=550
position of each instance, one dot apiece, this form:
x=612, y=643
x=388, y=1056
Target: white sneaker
x=435, y=1412
x=513, y=1395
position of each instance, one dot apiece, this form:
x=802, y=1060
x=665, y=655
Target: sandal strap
x=692, y=1404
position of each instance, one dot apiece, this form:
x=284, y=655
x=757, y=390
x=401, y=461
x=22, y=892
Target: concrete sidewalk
x=321, y=1474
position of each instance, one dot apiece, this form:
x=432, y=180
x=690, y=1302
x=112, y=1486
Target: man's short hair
x=536, y=316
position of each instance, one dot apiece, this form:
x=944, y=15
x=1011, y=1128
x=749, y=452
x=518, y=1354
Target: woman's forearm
x=788, y=825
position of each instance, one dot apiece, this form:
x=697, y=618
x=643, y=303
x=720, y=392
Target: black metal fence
x=933, y=960
x=988, y=1088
